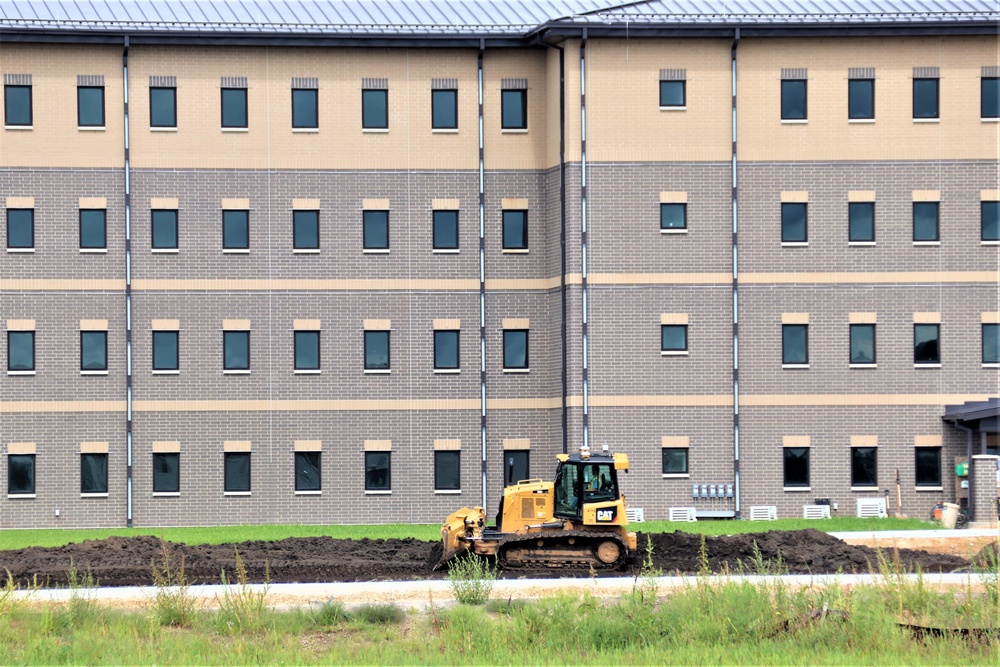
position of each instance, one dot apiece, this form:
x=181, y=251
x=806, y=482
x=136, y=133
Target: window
x=445, y=350
x=673, y=216
x=925, y=98
x=861, y=222
x=673, y=93
x=796, y=460
x=164, y=230
x=793, y=223
x=673, y=338
x=375, y=109
x=447, y=471
x=515, y=466
x=675, y=461
x=93, y=473
x=234, y=108
x=862, y=344
x=20, y=228
x=514, y=109
x=925, y=220
x=93, y=350
x=166, y=355
x=991, y=343
x=305, y=230
x=926, y=343
x=236, y=350
x=515, y=230
x=375, y=230
x=307, y=351
x=795, y=344
x=989, y=221
x=989, y=97
x=307, y=471
x=17, y=106
x=93, y=229
x=20, y=351
x=305, y=109
x=793, y=99
x=515, y=349
x=444, y=109
x=20, y=474
x=236, y=472
x=445, y=230
x=377, y=477
x=236, y=230
x=861, y=99
x=90, y=106
x=166, y=473
x=162, y=107
x=377, y=351
x=864, y=466
x=928, y=466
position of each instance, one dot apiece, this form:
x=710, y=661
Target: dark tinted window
x=90, y=106
x=236, y=350
x=446, y=230
x=305, y=230
x=20, y=474
x=864, y=466
x=93, y=350
x=925, y=221
x=305, y=108
x=377, y=477
x=93, y=228
x=17, y=105
x=793, y=223
x=445, y=349
x=672, y=93
x=673, y=216
x=515, y=230
x=861, y=221
x=991, y=343
x=164, y=230
x=307, y=471
x=444, y=109
x=795, y=343
x=165, y=351
x=20, y=228
x=376, y=230
x=20, y=350
x=515, y=466
x=796, y=466
x=306, y=350
x=236, y=471
x=234, y=107
x=377, y=350
x=861, y=99
x=928, y=466
x=926, y=343
x=375, y=109
x=989, y=217
x=166, y=473
x=925, y=98
x=673, y=337
x=862, y=343
x=236, y=230
x=447, y=471
x=515, y=348
x=989, y=105
x=514, y=109
x=675, y=461
x=93, y=473
x=163, y=107
x=793, y=100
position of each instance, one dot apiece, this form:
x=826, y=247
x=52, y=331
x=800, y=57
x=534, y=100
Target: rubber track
x=595, y=537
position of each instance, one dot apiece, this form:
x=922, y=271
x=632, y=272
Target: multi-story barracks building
x=353, y=261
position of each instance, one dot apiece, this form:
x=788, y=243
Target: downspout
x=583, y=227
x=968, y=456
x=736, y=291
x=128, y=300
x=482, y=276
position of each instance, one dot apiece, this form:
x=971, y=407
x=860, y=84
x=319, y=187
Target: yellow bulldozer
x=577, y=521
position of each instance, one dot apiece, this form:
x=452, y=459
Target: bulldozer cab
x=584, y=481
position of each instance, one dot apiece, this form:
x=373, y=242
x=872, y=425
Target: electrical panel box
x=704, y=490
x=694, y=490
x=711, y=490
x=729, y=490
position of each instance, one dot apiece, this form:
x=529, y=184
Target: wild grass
x=173, y=604
x=472, y=578
x=242, y=607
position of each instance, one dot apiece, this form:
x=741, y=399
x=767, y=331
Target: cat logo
x=606, y=515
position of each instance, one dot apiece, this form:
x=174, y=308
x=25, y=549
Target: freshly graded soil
x=128, y=561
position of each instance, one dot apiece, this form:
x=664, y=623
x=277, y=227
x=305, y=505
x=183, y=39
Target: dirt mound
x=128, y=561
x=988, y=556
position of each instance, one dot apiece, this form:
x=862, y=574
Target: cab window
x=598, y=483
x=567, y=498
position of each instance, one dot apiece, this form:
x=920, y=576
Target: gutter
x=128, y=296
x=736, y=288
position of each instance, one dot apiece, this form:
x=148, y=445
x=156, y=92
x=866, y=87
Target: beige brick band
x=235, y=204
x=795, y=441
x=862, y=318
x=378, y=445
x=166, y=325
x=990, y=318
x=236, y=446
x=516, y=443
x=377, y=325
x=864, y=441
x=375, y=204
x=512, y=204
x=20, y=202
x=861, y=195
x=673, y=318
x=794, y=197
x=307, y=325
x=675, y=441
x=93, y=202
x=93, y=325
x=927, y=318
x=446, y=325
x=235, y=325
x=20, y=448
x=93, y=448
x=308, y=445
x=515, y=323
x=166, y=447
x=444, y=204
x=164, y=203
x=305, y=205
x=795, y=318
x=984, y=195
x=926, y=195
x=20, y=325
x=447, y=445
x=927, y=440
x=673, y=197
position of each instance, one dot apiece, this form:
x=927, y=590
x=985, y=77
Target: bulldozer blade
x=464, y=522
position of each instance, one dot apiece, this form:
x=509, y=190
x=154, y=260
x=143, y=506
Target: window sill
x=236, y=251
x=167, y=372
x=928, y=488
x=674, y=231
x=991, y=365
x=514, y=130
x=861, y=121
x=795, y=244
x=18, y=127
x=673, y=353
x=861, y=244
x=378, y=371
x=926, y=120
x=445, y=251
x=305, y=130
x=862, y=365
x=516, y=370
x=375, y=251
x=375, y=130
x=166, y=494
x=447, y=371
x=981, y=120
x=93, y=372
x=21, y=250
x=162, y=129
x=993, y=243
x=447, y=492
x=305, y=251
x=673, y=108
x=929, y=244
x=514, y=251
x=309, y=493
x=796, y=488
x=93, y=495
x=794, y=121
x=236, y=129
x=235, y=371
x=377, y=493
x=20, y=372
x=795, y=366
x=92, y=128
x=864, y=488
x=307, y=371
x=927, y=365
x=236, y=493
x=17, y=496
x=676, y=475
x=93, y=251
x=164, y=251
x=444, y=130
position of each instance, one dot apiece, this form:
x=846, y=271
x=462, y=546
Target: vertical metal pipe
x=128, y=297
x=482, y=277
x=736, y=291
x=583, y=230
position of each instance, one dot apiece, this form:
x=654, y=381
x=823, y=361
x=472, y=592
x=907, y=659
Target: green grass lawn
x=19, y=539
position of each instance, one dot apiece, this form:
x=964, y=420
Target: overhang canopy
x=982, y=416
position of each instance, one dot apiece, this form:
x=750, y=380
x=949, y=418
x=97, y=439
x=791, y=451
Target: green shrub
x=472, y=578
x=505, y=607
x=331, y=613
x=379, y=614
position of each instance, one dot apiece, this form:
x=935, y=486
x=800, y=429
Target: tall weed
x=173, y=603
x=471, y=578
x=243, y=607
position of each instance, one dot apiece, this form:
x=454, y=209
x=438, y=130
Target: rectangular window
x=515, y=230
x=164, y=230
x=93, y=229
x=515, y=467
x=20, y=474
x=236, y=350
x=166, y=351
x=928, y=466
x=20, y=228
x=234, y=108
x=515, y=349
x=162, y=107
x=861, y=222
x=795, y=344
x=90, y=106
x=166, y=473
x=861, y=99
x=444, y=109
x=864, y=466
x=991, y=343
x=375, y=230
x=236, y=230
x=377, y=471
x=93, y=473
x=377, y=351
x=925, y=220
x=445, y=350
x=514, y=109
x=20, y=350
x=673, y=93
x=673, y=338
x=673, y=216
x=236, y=472
x=375, y=109
x=305, y=230
x=989, y=97
x=675, y=461
x=93, y=350
x=793, y=223
x=925, y=98
x=445, y=230
x=307, y=351
x=926, y=343
x=796, y=460
x=307, y=471
x=447, y=471
x=305, y=109
x=17, y=106
x=989, y=221
x=793, y=99
x=862, y=343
